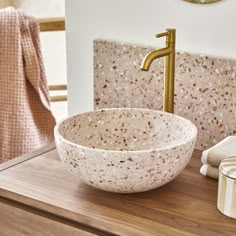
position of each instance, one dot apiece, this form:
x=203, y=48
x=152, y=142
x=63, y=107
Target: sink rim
x=57, y=134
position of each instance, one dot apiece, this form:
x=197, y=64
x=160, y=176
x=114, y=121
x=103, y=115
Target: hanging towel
x=26, y=121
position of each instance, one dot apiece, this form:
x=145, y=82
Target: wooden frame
x=50, y=25
x=5, y=3
x=58, y=87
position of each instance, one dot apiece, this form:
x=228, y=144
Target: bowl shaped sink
x=125, y=150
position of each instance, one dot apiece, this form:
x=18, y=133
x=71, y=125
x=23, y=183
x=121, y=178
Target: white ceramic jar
x=226, y=201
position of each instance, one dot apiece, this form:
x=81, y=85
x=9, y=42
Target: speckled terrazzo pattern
x=125, y=150
x=205, y=89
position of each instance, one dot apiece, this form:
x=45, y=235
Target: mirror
x=202, y=1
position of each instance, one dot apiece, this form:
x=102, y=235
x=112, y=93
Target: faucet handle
x=170, y=34
x=162, y=34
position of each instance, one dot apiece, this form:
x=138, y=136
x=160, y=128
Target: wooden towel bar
x=52, y=24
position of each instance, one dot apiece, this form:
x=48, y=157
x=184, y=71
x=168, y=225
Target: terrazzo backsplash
x=205, y=87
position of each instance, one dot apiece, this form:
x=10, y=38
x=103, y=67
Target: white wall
x=207, y=29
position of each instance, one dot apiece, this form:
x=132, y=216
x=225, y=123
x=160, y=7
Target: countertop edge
x=26, y=157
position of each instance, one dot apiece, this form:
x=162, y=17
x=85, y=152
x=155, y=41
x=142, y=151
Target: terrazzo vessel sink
x=125, y=150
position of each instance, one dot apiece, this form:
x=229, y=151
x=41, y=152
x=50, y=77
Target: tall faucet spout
x=169, y=53
x=151, y=56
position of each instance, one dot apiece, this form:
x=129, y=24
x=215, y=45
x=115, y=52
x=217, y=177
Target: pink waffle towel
x=26, y=121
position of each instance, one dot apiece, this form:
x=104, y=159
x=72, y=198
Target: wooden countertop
x=186, y=206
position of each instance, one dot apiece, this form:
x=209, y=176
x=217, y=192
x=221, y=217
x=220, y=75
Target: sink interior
x=126, y=129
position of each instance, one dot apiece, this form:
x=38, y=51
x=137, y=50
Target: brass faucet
x=169, y=53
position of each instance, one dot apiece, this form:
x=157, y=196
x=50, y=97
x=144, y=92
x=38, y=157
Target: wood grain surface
x=16, y=221
x=186, y=206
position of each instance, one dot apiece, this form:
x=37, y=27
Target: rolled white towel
x=210, y=171
x=224, y=149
